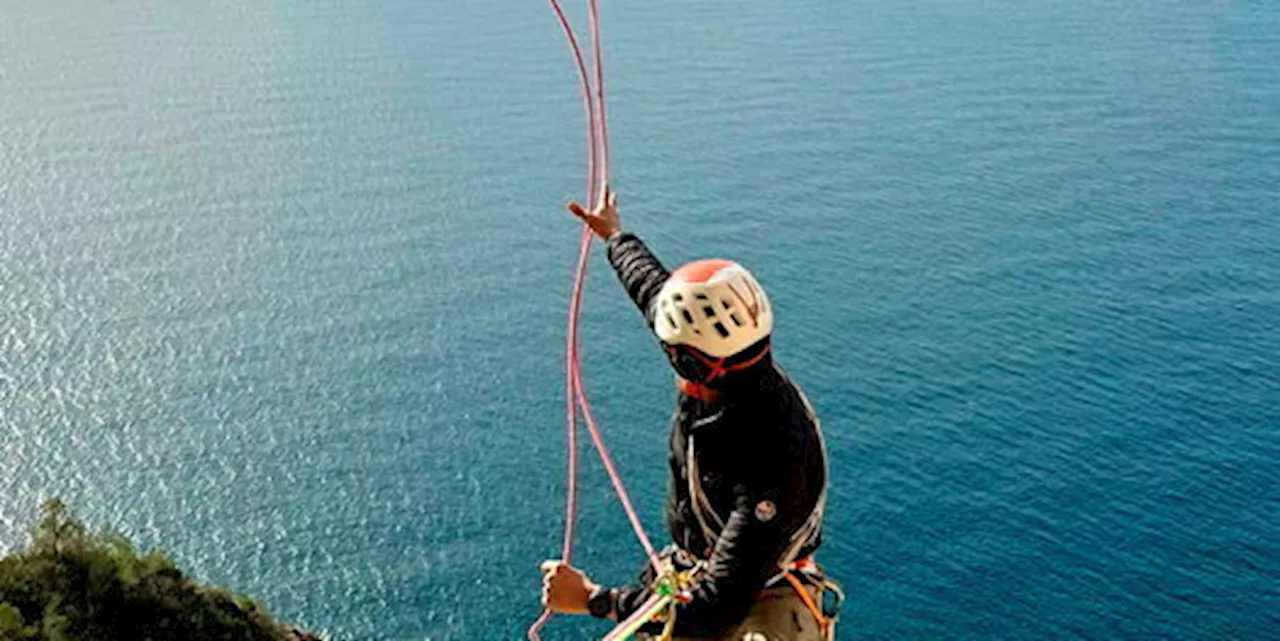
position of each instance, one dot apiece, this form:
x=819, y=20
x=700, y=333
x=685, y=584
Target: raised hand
x=604, y=220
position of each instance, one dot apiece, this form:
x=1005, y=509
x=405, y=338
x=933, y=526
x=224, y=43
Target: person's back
x=761, y=435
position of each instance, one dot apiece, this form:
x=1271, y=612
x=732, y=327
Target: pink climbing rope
x=602, y=138
x=571, y=347
x=598, y=166
x=575, y=396
x=571, y=356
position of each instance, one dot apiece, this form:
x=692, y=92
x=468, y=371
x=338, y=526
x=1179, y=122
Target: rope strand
x=602, y=138
x=571, y=339
x=575, y=395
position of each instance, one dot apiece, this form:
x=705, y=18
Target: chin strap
x=697, y=390
x=718, y=369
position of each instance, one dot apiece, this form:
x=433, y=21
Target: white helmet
x=714, y=305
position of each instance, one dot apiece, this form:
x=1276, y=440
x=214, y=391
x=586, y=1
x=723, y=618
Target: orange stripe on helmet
x=701, y=271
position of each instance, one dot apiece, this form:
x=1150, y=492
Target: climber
x=748, y=473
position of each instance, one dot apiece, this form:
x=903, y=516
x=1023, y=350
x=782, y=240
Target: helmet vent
x=724, y=333
x=710, y=313
x=736, y=321
x=687, y=316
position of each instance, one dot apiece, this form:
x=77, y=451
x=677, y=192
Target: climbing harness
x=804, y=574
x=679, y=578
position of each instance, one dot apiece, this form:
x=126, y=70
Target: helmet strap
x=716, y=368
x=697, y=390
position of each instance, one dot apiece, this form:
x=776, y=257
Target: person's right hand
x=565, y=589
x=604, y=221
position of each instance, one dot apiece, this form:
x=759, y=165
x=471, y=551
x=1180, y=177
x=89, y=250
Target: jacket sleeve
x=641, y=273
x=744, y=557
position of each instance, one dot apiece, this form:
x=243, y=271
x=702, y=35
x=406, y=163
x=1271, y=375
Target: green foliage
x=74, y=585
x=12, y=627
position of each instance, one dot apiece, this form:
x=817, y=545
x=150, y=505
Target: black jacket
x=760, y=465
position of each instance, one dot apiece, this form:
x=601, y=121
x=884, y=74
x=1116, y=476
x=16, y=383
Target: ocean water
x=283, y=290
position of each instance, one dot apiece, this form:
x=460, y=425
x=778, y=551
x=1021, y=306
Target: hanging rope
x=575, y=395
x=598, y=166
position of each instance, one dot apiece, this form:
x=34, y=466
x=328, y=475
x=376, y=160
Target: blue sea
x=283, y=291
